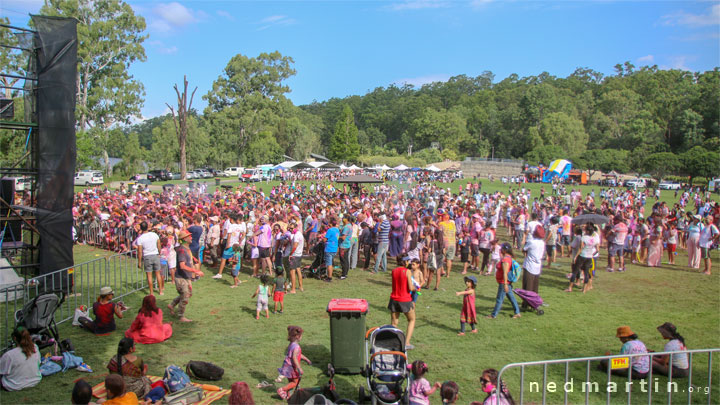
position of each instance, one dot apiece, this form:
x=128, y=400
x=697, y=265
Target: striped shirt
x=384, y=231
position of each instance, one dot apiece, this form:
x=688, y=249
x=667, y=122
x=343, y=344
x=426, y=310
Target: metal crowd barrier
x=552, y=392
x=80, y=285
x=93, y=233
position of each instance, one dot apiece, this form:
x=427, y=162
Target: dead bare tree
x=180, y=121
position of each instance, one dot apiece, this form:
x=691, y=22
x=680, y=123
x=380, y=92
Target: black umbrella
x=590, y=219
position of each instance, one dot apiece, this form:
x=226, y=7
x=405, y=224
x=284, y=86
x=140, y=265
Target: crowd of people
x=426, y=228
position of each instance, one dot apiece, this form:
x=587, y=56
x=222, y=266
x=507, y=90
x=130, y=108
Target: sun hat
x=106, y=291
x=624, y=331
x=184, y=235
x=471, y=278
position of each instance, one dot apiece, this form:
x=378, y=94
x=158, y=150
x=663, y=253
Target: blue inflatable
x=559, y=168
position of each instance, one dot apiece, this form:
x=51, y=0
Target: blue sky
x=346, y=48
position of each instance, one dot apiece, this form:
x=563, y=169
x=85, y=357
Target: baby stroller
x=38, y=317
x=386, y=370
x=317, y=269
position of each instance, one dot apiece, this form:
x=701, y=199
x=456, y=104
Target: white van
x=251, y=175
x=89, y=178
x=234, y=171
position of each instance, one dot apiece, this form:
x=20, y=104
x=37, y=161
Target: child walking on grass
x=279, y=290
x=262, y=296
x=291, y=367
x=420, y=389
x=468, y=314
x=494, y=257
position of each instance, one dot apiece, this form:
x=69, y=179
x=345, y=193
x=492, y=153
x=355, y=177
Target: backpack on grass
x=186, y=396
x=203, y=370
x=175, y=379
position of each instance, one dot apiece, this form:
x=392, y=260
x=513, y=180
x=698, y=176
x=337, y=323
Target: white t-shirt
x=531, y=228
x=706, y=235
x=533, y=261
x=298, y=238
x=234, y=231
x=18, y=371
x=590, y=242
x=149, y=242
x=678, y=360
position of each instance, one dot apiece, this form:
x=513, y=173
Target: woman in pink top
x=147, y=327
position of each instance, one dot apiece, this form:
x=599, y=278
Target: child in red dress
x=468, y=314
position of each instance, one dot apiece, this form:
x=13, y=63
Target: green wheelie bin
x=347, y=334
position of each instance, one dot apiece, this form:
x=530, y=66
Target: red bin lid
x=347, y=305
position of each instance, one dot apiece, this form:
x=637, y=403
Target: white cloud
x=275, y=20
x=712, y=17
x=479, y=3
x=418, y=4
x=420, y=81
x=160, y=47
x=167, y=17
x=646, y=59
x=175, y=14
x=225, y=14
x=679, y=62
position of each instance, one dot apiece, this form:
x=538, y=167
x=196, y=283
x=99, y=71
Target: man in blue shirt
x=331, y=246
x=345, y=244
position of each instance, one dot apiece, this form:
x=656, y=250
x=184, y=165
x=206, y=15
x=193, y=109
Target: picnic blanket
x=209, y=397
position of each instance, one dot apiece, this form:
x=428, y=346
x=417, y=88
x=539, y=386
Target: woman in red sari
x=148, y=327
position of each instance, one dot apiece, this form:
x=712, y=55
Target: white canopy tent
x=353, y=167
x=324, y=165
x=400, y=167
x=432, y=168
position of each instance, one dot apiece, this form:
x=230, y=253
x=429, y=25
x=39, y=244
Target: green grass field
x=226, y=333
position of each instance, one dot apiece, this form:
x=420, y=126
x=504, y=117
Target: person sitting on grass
x=661, y=364
x=130, y=368
x=497, y=394
x=148, y=326
x=116, y=394
x=449, y=392
x=20, y=367
x=81, y=393
x=105, y=312
x=420, y=389
x=631, y=345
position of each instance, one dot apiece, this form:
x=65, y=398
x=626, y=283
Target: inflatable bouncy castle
x=559, y=168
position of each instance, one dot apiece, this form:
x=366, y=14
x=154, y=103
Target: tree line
x=641, y=119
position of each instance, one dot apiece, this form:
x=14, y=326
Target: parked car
x=162, y=174
x=220, y=173
x=191, y=175
x=234, y=171
x=251, y=175
x=88, y=178
x=669, y=185
x=143, y=176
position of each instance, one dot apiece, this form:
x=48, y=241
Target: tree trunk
x=180, y=121
x=106, y=159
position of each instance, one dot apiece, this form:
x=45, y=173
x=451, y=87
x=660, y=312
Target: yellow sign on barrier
x=620, y=363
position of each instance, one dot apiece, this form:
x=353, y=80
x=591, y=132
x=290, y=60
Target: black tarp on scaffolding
x=56, y=42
